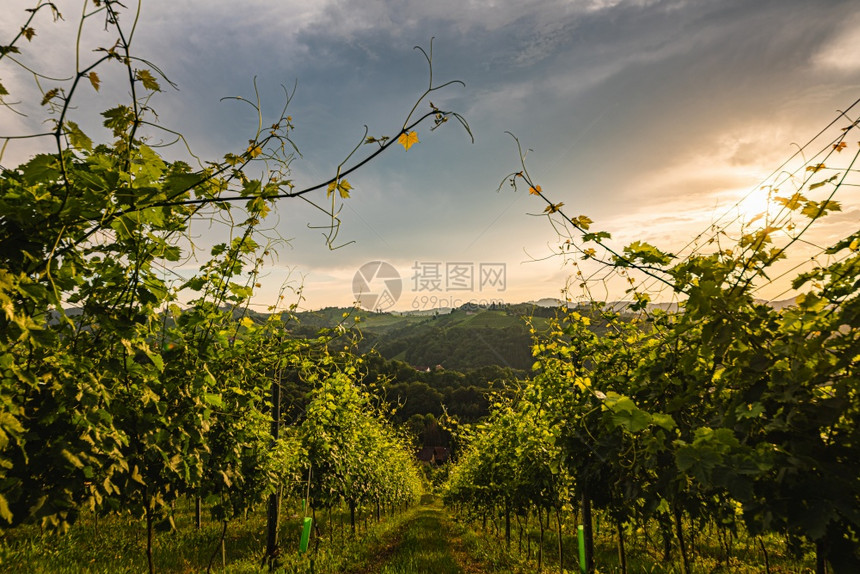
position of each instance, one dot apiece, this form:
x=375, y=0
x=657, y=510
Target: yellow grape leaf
x=28, y=33
x=254, y=150
x=148, y=80
x=94, y=80
x=840, y=146
x=582, y=221
x=408, y=140
x=535, y=190
x=342, y=186
x=792, y=202
x=552, y=208
x=816, y=167
x=815, y=209
x=820, y=183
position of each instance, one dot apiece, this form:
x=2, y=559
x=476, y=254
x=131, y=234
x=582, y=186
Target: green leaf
x=251, y=188
x=5, y=513
x=598, y=236
x=156, y=360
x=625, y=414
x=258, y=206
x=72, y=458
x=634, y=421
x=136, y=476
x=639, y=251
x=241, y=291
x=664, y=421
x=50, y=95
x=42, y=167
x=77, y=138
x=118, y=119
x=213, y=399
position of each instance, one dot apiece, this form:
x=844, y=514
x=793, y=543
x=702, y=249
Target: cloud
x=649, y=115
x=841, y=52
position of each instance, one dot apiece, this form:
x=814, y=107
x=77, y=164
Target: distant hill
x=461, y=339
x=468, y=337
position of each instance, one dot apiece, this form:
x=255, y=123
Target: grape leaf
x=583, y=222
x=820, y=183
x=77, y=138
x=50, y=95
x=147, y=79
x=793, y=202
x=408, y=140
x=342, y=186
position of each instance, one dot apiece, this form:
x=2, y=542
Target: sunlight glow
x=755, y=205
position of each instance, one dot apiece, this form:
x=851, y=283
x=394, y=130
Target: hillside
x=461, y=339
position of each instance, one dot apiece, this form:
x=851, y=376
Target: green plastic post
x=306, y=534
x=581, y=536
x=303, y=505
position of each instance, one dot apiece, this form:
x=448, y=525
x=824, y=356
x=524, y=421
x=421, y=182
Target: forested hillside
x=462, y=339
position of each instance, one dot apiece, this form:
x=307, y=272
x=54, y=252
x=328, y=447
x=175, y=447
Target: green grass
x=428, y=541
x=117, y=545
x=424, y=539
x=644, y=551
x=424, y=547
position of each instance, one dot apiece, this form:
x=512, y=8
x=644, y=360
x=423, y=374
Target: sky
x=652, y=117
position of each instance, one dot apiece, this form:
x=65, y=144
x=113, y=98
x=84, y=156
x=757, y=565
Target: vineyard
x=717, y=434
x=726, y=413
x=127, y=388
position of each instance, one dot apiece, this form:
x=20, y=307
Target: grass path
x=425, y=543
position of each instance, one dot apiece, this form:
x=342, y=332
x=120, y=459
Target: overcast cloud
x=652, y=117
